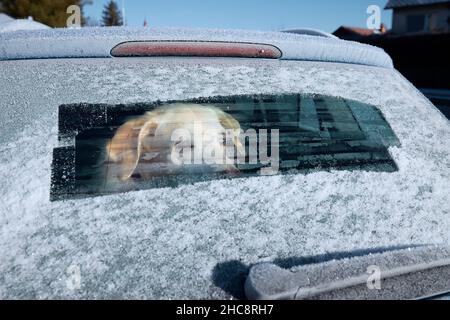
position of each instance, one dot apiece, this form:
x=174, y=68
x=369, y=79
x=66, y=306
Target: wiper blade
x=437, y=296
x=414, y=273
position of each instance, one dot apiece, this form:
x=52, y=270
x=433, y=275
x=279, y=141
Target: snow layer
x=169, y=243
x=5, y=18
x=22, y=24
x=98, y=42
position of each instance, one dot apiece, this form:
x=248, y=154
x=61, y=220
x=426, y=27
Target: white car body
x=189, y=241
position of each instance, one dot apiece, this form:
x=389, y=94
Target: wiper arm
x=415, y=273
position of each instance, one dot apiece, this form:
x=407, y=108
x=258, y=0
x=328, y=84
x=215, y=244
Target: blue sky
x=326, y=15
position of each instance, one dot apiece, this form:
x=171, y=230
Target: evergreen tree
x=111, y=15
x=50, y=12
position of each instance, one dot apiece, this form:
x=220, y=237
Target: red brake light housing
x=195, y=49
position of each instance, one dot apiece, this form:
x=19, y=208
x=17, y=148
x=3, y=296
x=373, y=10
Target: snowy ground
x=196, y=241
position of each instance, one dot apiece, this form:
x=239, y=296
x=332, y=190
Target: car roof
x=98, y=42
x=311, y=32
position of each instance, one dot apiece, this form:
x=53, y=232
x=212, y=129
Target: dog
x=148, y=145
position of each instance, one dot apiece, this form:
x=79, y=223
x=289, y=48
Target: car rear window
x=107, y=149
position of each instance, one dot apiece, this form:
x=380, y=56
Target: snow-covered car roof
x=98, y=42
x=196, y=241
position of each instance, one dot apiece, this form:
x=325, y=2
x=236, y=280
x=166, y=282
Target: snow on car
x=364, y=162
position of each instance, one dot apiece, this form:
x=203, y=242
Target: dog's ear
x=230, y=123
x=124, y=149
x=227, y=121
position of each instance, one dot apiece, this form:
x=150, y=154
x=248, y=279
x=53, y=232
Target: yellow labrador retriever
x=146, y=145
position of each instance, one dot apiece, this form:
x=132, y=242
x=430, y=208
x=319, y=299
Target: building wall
x=435, y=18
x=421, y=58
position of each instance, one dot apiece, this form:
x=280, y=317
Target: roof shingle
x=392, y=4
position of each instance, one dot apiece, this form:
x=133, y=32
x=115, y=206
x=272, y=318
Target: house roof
x=355, y=31
x=392, y=4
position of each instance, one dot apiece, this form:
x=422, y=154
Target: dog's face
x=166, y=136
